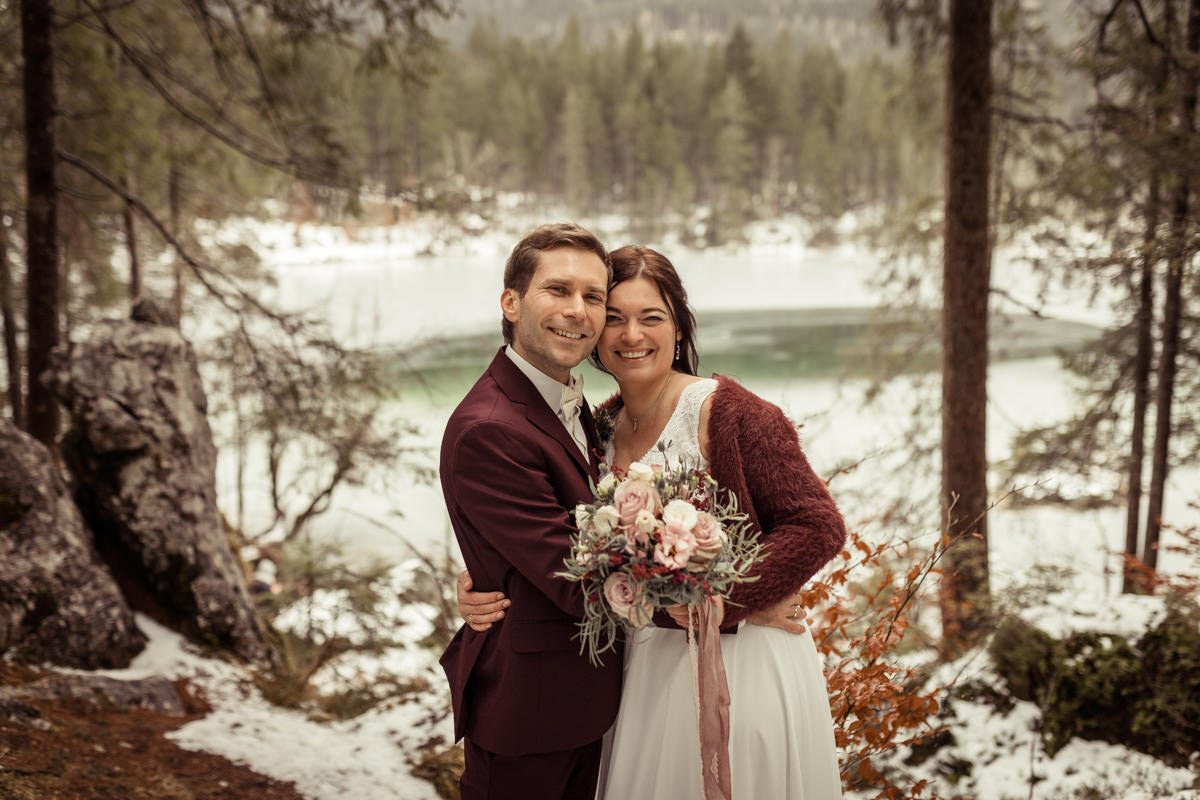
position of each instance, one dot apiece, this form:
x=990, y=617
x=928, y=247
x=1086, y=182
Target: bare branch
x=205, y=273
x=288, y=165
x=1033, y=119
x=1033, y=310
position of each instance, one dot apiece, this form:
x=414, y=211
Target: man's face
x=560, y=316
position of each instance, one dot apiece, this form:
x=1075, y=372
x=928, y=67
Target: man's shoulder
x=486, y=405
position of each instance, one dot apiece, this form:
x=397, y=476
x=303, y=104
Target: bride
x=781, y=735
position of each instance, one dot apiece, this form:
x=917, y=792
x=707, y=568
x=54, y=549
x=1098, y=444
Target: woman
x=781, y=735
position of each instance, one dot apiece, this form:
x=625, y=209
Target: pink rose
x=710, y=537
x=627, y=599
x=620, y=594
x=676, y=546
x=633, y=496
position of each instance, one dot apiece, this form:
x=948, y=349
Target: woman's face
x=638, y=341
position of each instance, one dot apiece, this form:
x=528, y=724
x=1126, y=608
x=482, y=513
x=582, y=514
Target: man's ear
x=510, y=302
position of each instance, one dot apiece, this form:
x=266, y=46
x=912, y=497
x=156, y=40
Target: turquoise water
x=755, y=346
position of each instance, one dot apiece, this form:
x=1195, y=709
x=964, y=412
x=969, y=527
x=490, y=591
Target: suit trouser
x=561, y=775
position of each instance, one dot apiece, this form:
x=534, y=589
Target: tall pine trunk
x=1141, y=380
x=130, y=224
x=8, y=317
x=966, y=278
x=42, y=281
x=1177, y=263
x=1144, y=322
x=174, y=179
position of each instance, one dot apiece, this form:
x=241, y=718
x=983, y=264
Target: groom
x=515, y=460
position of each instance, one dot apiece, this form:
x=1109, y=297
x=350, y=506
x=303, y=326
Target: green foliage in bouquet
x=652, y=539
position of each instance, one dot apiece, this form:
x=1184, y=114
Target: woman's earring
x=676, y=351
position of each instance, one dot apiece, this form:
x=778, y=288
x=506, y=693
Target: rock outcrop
x=58, y=601
x=142, y=457
x=155, y=693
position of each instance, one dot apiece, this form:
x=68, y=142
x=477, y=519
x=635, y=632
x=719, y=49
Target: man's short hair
x=524, y=259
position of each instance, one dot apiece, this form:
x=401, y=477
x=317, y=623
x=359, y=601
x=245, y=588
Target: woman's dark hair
x=632, y=261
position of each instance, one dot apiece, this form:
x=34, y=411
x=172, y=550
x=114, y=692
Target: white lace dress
x=781, y=734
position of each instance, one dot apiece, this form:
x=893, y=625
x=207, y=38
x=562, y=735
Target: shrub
x=1094, y=685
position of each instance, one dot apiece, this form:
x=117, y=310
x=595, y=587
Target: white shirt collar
x=549, y=388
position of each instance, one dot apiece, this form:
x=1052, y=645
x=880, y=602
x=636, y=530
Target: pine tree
x=41, y=249
x=965, y=285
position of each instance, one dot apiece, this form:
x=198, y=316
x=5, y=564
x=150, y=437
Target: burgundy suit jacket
x=512, y=476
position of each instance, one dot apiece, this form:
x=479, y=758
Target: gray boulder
x=143, y=461
x=58, y=601
x=101, y=692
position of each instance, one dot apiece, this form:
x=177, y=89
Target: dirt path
x=116, y=755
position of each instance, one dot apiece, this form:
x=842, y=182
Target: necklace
x=652, y=406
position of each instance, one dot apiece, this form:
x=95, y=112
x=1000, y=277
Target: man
x=516, y=458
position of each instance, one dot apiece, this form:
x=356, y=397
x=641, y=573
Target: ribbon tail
x=712, y=707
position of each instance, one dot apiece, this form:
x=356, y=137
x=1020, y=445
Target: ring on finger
x=468, y=619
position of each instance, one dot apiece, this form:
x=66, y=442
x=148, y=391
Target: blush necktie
x=568, y=412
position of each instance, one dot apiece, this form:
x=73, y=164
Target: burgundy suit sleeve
x=504, y=494
x=802, y=528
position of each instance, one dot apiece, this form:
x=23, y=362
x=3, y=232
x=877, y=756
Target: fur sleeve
x=801, y=527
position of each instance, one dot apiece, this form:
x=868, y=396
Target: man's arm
x=503, y=494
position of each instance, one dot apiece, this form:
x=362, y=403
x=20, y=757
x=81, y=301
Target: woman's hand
x=479, y=609
x=787, y=614
x=679, y=613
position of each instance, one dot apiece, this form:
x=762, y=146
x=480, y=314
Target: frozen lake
x=790, y=322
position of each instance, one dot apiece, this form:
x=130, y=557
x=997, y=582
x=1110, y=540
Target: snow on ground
x=369, y=757
x=1008, y=763
x=1005, y=752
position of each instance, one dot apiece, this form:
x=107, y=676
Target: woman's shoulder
x=731, y=397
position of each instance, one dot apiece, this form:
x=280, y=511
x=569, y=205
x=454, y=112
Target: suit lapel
x=593, y=440
x=521, y=390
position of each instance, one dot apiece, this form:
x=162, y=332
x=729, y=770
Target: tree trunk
x=1141, y=383
x=966, y=278
x=41, y=282
x=1172, y=301
x=135, y=266
x=8, y=317
x=1144, y=357
x=174, y=178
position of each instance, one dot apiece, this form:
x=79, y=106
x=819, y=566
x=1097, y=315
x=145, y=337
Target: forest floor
x=75, y=752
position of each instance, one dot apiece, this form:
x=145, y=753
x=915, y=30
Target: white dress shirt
x=553, y=391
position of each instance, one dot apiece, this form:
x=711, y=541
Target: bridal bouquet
x=652, y=539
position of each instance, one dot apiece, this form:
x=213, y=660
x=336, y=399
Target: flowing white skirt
x=781, y=734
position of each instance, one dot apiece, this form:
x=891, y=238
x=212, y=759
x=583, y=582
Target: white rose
x=645, y=522
x=582, y=516
x=605, y=520
x=640, y=472
x=607, y=484
x=681, y=513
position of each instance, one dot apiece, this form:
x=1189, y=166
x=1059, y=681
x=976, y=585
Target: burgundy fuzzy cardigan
x=753, y=451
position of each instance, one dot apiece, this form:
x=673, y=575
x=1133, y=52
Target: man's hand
x=787, y=614
x=479, y=609
x=679, y=613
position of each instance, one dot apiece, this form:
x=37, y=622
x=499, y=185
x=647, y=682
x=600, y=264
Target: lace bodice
x=682, y=432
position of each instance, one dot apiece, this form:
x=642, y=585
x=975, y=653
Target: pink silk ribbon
x=712, y=706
